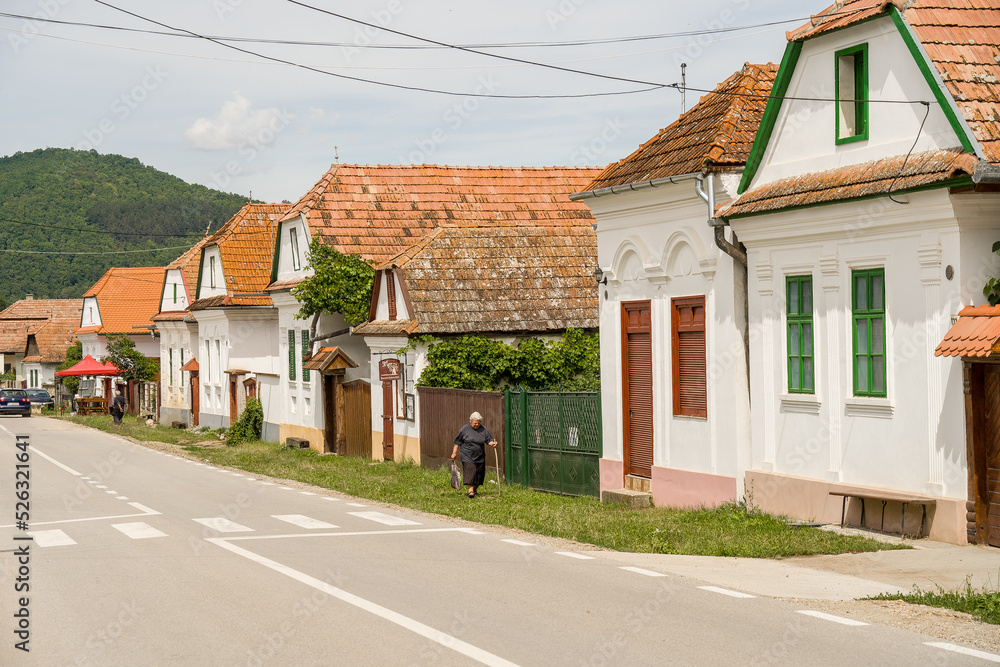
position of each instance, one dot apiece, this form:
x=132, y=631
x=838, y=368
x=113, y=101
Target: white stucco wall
x=212, y=276
x=382, y=312
x=656, y=244
x=286, y=263
x=91, y=313
x=175, y=389
x=175, y=296
x=803, y=141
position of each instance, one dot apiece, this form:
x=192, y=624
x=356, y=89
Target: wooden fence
x=444, y=411
x=358, y=421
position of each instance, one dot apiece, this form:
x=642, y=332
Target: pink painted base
x=683, y=488
x=612, y=474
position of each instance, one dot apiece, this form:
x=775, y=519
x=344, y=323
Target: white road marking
x=335, y=500
x=384, y=518
x=235, y=474
x=639, y=570
x=84, y=477
x=286, y=488
x=726, y=591
x=100, y=486
x=223, y=525
x=410, y=624
x=356, y=533
x=357, y=505
x=955, y=648
x=520, y=543
x=138, y=530
x=143, y=508
x=570, y=554
x=121, y=497
x=268, y=483
x=831, y=617
x=302, y=521
x=307, y=493
x=52, y=460
x=51, y=538
x=111, y=493
x=145, y=512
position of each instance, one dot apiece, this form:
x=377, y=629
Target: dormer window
x=293, y=233
x=851, y=74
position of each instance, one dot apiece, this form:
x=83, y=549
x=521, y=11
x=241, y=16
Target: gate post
x=525, y=469
x=562, y=444
x=506, y=433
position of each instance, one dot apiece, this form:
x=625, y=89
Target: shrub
x=247, y=428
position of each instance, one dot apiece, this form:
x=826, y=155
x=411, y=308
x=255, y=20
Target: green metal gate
x=554, y=441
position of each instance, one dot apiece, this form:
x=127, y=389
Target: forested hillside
x=69, y=201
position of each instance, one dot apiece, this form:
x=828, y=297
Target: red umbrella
x=89, y=366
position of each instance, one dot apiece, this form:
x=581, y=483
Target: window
x=868, y=309
x=800, y=334
x=851, y=75
x=305, y=353
x=690, y=376
x=218, y=360
x=175, y=292
x=170, y=362
x=291, y=354
x=293, y=233
x=211, y=272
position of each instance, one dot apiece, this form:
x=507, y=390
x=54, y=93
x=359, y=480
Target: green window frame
x=170, y=362
x=851, y=85
x=799, y=318
x=291, y=354
x=868, y=316
x=305, y=354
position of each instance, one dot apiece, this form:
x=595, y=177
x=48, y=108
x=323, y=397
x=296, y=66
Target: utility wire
x=373, y=81
x=927, y=111
x=98, y=231
x=95, y=252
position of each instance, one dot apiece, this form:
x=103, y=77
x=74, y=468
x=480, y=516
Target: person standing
x=471, y=442
x=118, y=407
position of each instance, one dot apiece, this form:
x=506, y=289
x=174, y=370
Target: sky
x=239, y=122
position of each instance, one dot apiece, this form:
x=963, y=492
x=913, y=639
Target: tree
x=992, y=287
x=132, y=364
x=73, y=356
x=341, y=284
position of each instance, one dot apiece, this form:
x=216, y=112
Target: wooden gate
x=637, y=372
x=991, y=449
x=358, y=401
x=444, y=411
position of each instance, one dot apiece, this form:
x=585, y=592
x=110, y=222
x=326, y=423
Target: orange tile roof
x=246, y=245
x=717, y=133
x=27, y=316
x=55, y=337
x=852, y=182
x=962, y=40
x=126, y=297
x=376, y=211
x=499, y=279
x=973, y=335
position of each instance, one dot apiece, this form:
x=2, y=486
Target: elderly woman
x=471, y=441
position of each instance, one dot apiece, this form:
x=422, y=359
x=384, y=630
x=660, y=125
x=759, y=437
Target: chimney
x=29, y=297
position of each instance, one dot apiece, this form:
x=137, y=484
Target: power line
x=85, y=252
x=373, y=81
x=97, y=231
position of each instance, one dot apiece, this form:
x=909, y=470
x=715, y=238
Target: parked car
x=15, y=401
x=40, y=397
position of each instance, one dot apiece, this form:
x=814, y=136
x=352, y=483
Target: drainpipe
x=719, y=226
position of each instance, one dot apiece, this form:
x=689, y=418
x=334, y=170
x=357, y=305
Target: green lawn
x=730, y=530
x=982, y=604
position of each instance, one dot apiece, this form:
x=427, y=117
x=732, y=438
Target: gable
x=799, y=132
x=211, y=277
x=175, y=295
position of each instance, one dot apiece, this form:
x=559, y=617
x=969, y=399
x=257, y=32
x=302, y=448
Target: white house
x=122, y=302
x=235, y=340
x=503, y=282
x=676, y=409
x=868, y=209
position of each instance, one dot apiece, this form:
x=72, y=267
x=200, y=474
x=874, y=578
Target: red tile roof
x=55, y=337
x=498, y=279
x=126, y=297
x=246, y=245
x=852, y=182
x=376, y=211
x=962, y=40
x=27, y=316
x=717, y=133
x=975, y=333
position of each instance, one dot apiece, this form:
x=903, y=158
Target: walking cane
x=496, y=460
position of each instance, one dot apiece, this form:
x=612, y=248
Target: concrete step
x=628, y=497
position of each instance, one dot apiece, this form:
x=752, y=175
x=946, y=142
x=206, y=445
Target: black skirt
x=473, y=474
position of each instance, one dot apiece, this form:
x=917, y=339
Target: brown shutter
x=690, y=368
x=638, y=388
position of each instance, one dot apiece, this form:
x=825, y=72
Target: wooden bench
x=905, y=499
x=90, y=405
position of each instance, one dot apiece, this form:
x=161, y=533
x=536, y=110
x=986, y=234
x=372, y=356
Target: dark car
x=40, y=397
x=15, y=401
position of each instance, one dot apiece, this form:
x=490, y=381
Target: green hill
x=70, y=201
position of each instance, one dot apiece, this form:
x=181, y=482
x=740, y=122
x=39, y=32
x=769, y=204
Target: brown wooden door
x=329, y=416
x=387, y=418
x=195, y=398
x=358, y=409
x=233, y=412
x=991, y=439
x=637, y=384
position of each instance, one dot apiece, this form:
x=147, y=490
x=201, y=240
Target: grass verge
x=730, y=530
x=983, y=604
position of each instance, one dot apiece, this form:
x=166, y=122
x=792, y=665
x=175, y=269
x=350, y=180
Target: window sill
x=806, y=404
x=856, y=406
x=692, y=418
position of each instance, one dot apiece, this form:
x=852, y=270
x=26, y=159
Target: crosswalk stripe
x=384, y=518
x=138, y=530
x=224, y=525
x=302, y=521
x=51, y=538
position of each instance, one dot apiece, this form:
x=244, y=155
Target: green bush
x=247, y=428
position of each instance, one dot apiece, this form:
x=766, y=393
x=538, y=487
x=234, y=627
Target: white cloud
x=235, y=124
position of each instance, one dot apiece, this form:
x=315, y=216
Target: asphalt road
x=142, y=558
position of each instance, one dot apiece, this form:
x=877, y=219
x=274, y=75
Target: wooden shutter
x=690, y=368
x=291, y=354
x=305, y=354
x=637, y=385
